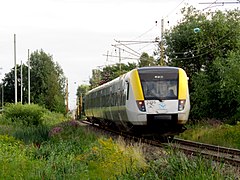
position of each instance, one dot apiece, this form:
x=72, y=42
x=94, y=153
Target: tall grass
x=178, y=166
x=220, y=134
x=58, y=149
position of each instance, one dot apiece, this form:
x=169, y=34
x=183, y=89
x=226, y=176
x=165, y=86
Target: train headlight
x=141, y=106
x=181, y=105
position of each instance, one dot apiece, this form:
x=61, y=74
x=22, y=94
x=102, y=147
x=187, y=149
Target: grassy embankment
x=37, y=144
x=214, y=132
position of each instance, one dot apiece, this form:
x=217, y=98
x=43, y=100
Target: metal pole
x=67, y=96
x=21, y=85
x=120, y=60
x=80, y=106
x=2, y=101
x=2, y=96
x=29, y=78
x=162, y=54
x=15, y=66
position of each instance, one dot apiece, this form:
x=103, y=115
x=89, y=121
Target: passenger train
x=148, y=101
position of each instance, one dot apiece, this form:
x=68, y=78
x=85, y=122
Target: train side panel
x=183, y=95
x=135, y=116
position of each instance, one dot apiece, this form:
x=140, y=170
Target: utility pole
x=2, y=96
x=77, y=115
x=67, y=96
x=161, y=45
x=21, y=85
x=120, y=66
x=15, y=66
x=80, y=106
x=28, y=78
x=2, y=90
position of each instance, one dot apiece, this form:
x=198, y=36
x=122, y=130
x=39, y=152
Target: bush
x=26, y=114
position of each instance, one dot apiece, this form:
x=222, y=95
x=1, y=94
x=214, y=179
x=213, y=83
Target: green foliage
x=25, y=114
x=210, y=58
x=108, y=159
x=229, y=83
x=32, y=134
x=218, y=134
x=109, y=73
x=52, y=118
x=176, y=165
x=217, y=92
x=146, y=60
x=197, y=51
x=200, y=98
x=9, y=85
x=72, y=151
x=15, y=161
x=47, y=82
x=82, y=90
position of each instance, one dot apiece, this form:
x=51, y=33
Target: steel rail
x=218, y=153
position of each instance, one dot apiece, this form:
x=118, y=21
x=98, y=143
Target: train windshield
x=161, y=85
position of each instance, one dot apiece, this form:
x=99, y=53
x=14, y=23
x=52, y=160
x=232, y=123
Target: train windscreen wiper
x=158, y=98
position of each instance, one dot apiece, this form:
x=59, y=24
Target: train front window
x=161, y=86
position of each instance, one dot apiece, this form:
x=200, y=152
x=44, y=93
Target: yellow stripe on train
x=136, y=85
x=183, y=84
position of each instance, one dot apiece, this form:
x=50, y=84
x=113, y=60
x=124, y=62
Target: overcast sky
x=77, y=33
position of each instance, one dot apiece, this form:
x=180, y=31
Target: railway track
x=216, y=153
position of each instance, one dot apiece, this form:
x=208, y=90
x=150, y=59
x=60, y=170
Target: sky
x=80, y=33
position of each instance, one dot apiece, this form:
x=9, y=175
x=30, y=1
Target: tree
x=219, y=34
x=47, y=82
x=9, y=85
x=211, y=57
x=146, y=60
x=109, y=73
x=81, y=92
x=95, y=79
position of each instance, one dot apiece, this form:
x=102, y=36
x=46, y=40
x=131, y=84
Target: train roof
x=158, y=67
x=146, y=69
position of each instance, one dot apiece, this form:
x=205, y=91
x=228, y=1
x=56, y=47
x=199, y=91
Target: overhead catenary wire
x=209, y=5
x=198, y=55
x=122, y=57
x=215, y=3
x=149, y=30
x=223, y=2
x=204, y=47
x=135, y=42
x=137, y=55
x=174, y=9
x=128, y=47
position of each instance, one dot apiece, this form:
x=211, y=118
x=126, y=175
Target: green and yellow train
x=149, y=101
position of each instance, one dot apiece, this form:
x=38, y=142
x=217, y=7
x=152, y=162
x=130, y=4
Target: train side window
x=127, y=88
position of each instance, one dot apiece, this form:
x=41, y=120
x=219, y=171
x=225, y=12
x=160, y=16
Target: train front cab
x=162, y=100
